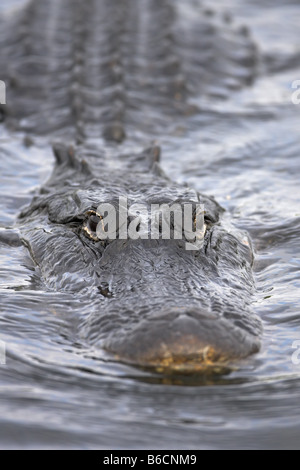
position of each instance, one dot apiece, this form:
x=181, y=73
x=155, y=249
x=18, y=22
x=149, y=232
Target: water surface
x=245, y=152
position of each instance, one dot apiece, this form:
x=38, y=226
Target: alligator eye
x=203, y=229
x=91, y=224
x=201, y=233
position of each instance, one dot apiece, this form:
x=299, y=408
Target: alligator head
x=153, y=302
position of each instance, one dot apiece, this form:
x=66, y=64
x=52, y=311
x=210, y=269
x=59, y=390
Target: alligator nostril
x=184, y=324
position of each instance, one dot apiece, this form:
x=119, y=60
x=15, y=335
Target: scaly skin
x=100, y=74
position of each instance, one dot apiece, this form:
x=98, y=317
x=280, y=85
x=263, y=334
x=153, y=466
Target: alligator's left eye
x=203, y=227
x=201, y=232
x=91, y=224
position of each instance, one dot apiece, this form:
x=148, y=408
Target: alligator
x=102, y=81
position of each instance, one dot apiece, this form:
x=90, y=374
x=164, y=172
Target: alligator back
x=103, y=68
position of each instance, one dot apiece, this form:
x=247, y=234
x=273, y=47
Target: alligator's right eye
x=91, y=224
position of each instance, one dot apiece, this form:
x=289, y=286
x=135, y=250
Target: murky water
x=245, y=152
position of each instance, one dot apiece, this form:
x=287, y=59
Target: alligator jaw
x=204, y=361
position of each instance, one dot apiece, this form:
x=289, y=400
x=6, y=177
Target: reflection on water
x=246, y=153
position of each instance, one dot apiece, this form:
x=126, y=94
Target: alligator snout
x=184, y=339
